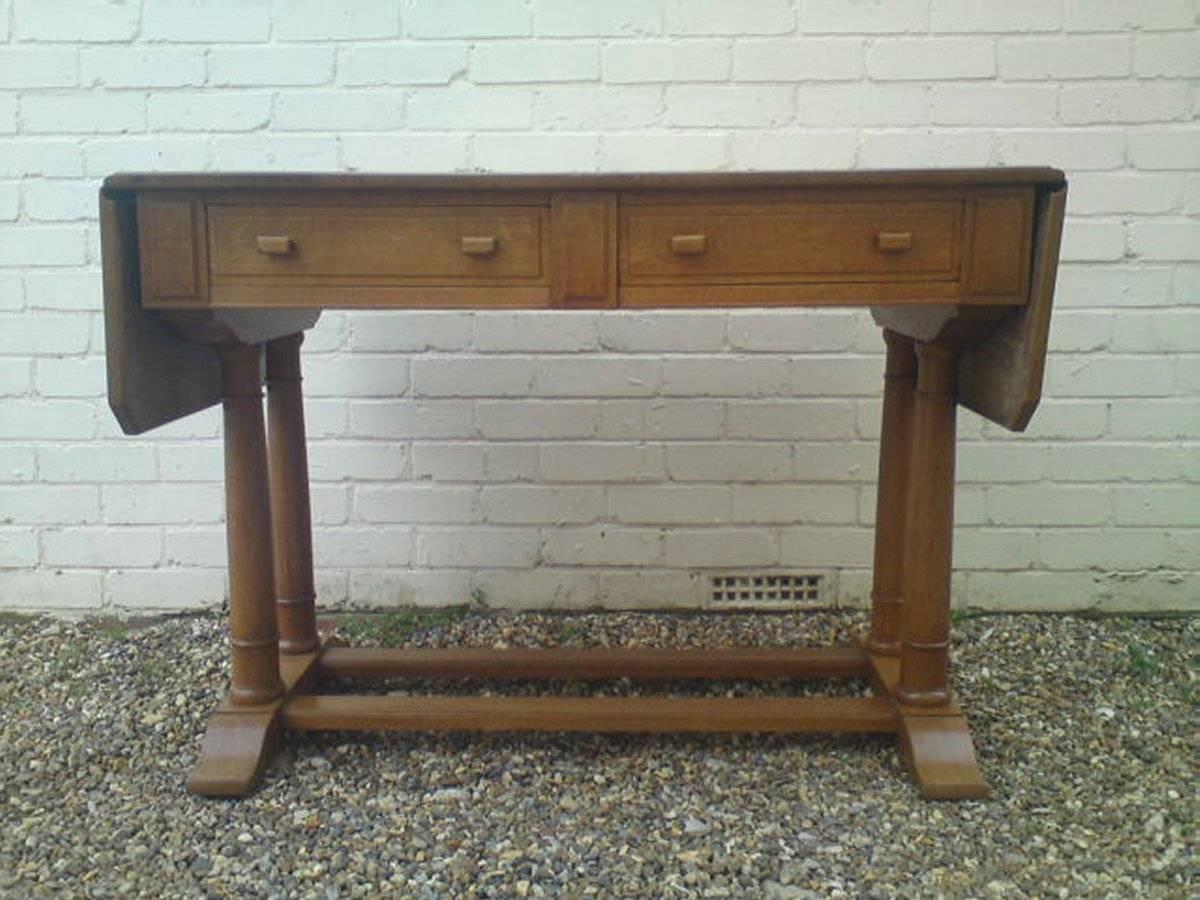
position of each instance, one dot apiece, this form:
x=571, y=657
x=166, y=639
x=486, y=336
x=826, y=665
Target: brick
x=521, y=332
x=791, y=503
x=1111, y=461
x=984, y=15
x=1167, y=55
x=654, y=331
x=10, y=202
x=404, y=153
x=538, y=61
x=409, y=419
x=97, y=462
x=418, y=62
x=499, y=547
x=729, y=461
x=1155, y=418
x=152, y=504
x=597, y=462
x=101, y=547
x=540, y=505
x=652, y=151
x=897, y=149
x=17, y=464
x=203, y=547
x=14, y=378
x=809, y=420
x=1175, y=505
x=44, y=590
x=546, y=420
x=8, y=114
x=635, y=62
x=93, y=113
x=994, y=549
x=720, y=547
x=541, y=589
x=41, y=504
x=164, y=589
x=804, y=149
x=602, y=545
x=414, y=331
x=836, y=461
x=654, y=504
x=1161, y=148
x=862, y=105
x=468, y=18
x=613, y=18
x=417, y=503
x=207, y=21
x=329, y=110
x=72, y=20
x=1178, y=240
x=587, y=108
x=58, y=201
x=481, y=110
x=871, y=17
x=1119, y=15
x=1070, y=148
x=18, y=548
x=991, y=463
x=927, y=59
x=1048, y=504
x=726, y=376
x=272, y=152
x=988, y=104
x=1108, y=376
x=71, y=377
x=48, y=421
x=1093, y=104
x=657, y=419
x=379, y=588
x=475, y=462
x=29, y=245
x=821, y=546
x=523, y=153
x=353, y=546
x=357, y=461
x=471, y=376
x=595, y=376
x=161, y=153
x=836, y=376
x=186, y=111
x=1091, y=548
x=1081, y=332
x=281, y=66
x=325, y=20
x=815, y=331
x=716, y=17
x=1124, y=192
x=807, y=59
x=1087, y=241
x=47, y=157
x=729, y=107
x=1043, y=58
x=39, y=67
x=1112, y=286
x=123, y=67
x=356, y=376
x=1169, y=331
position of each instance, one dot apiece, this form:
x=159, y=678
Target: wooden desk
x=203, y=272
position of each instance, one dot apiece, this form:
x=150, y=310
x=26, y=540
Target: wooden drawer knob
x=479, y=246
x=275, y=245
x=689, y=244
x=894, y=241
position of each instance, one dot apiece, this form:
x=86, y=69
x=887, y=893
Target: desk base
x=935, y=742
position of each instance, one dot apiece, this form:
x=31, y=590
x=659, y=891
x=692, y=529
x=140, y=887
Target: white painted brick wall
x=571, y=459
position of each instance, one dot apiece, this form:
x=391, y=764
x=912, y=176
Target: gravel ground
x=1086, y=730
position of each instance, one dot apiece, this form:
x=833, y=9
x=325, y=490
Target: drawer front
x=436, y=245
x=793, y=241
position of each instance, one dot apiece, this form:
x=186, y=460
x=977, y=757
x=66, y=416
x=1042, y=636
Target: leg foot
x=237, y=746
x=941, y=754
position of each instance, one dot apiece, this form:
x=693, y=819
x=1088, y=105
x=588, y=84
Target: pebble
x=1091, y=767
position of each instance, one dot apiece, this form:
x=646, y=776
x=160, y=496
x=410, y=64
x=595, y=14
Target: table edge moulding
x=210, y=281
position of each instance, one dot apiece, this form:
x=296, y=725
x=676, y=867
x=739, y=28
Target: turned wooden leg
x=291, y=517
x=891, y=508
x=241, y=733
x=929, y=532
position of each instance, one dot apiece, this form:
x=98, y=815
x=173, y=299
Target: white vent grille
x=762, y=587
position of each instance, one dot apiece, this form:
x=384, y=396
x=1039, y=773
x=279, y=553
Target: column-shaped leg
x=891, y=508
x=929, y=532
x=253, y=638
x=291, y=517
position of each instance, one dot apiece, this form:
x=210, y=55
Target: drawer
x=429, y=245
x=791, y=241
